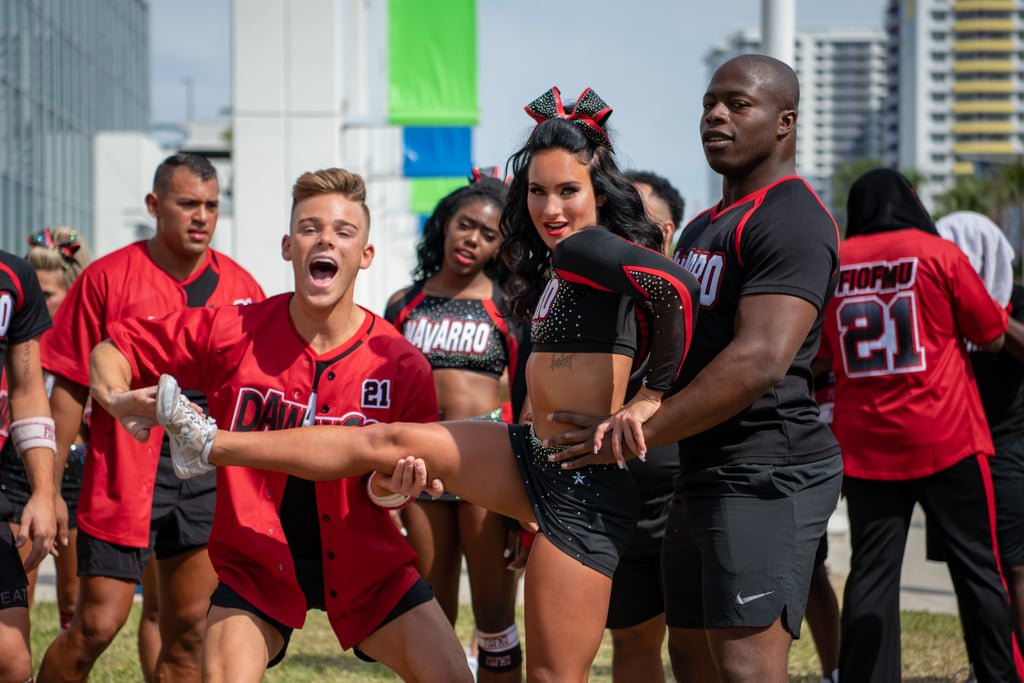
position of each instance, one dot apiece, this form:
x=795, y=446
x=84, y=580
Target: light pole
x=189, y=84
x=778, y=29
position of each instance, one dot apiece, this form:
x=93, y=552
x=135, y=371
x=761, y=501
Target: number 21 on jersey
x=880, y=337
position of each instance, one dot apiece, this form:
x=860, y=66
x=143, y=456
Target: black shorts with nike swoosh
x=741, y=540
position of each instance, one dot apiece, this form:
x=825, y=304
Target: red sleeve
x=979, y=317
x=416, y=398
x=178, y=344
x=79, y=325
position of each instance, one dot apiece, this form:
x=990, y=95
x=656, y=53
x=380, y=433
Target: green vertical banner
x=432, y=63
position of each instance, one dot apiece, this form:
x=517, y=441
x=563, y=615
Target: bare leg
x=16, y=662
x=149, y=624
x=186, y=583
x=823, y=617
x=751, y=655
x=566, y=607
x=691, y=656
x=636, y=652
x=238, y=646
x=434, y=535
x=102, y=609
x=67, y=580
x=473, y=458
x=493, y=586
x=420, y=646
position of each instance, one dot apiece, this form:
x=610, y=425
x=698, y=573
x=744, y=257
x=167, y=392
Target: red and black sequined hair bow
x=67, y=246
x=479, y=173
x=588, y=114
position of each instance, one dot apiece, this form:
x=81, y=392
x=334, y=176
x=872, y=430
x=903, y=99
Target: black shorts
x=741, y=542
x=588, y=514
x=181, y=522
x=13, y=580
x=182, y=510
x=14, y=481
x=637, y=591
x=1007, y=468
x=225, y=596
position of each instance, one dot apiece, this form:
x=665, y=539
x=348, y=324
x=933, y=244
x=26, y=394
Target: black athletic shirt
x=23, y=316
x=1001, y=383
x=778, y=240
x=587, y=305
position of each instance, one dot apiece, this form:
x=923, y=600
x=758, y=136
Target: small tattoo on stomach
x=561, y=361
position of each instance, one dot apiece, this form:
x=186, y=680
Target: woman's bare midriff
x=462, y=394
x=587, y=383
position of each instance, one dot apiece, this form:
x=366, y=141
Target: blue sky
x=644, y=57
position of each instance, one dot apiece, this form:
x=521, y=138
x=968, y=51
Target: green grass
x=933, y=652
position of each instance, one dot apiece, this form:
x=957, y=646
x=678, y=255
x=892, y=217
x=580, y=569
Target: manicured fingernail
x=507, y=553
x=642, y=456
x=622, y=465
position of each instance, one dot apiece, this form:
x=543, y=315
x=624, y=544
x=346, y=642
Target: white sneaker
x=191, y=434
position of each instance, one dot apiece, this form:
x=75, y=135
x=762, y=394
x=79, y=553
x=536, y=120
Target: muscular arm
x=110, y=380
x=27, y=393
x=770, y=329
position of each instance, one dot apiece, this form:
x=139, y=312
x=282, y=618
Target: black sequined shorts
x=589, y=513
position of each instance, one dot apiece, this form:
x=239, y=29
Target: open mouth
x=555, y=229
x=464, y=257
x=322, y=271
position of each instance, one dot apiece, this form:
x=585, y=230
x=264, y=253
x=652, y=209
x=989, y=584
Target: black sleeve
x=30, y=317
x=599, y=259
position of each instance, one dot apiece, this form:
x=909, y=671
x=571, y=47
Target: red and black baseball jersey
x=117, y=489
x=259, y=374
x=778, y=240
x=906, y=402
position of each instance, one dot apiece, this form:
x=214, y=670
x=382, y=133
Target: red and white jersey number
x=878, y=337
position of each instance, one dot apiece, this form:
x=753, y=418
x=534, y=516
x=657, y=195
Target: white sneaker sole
x=167, y=393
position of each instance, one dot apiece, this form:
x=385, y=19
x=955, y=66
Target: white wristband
x=33, y=432
x=390, y=501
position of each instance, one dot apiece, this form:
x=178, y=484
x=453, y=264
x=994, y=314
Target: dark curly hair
x=430, y=251
x=523, y=251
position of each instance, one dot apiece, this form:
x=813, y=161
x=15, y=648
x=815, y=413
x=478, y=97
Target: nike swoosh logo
x=750, y=598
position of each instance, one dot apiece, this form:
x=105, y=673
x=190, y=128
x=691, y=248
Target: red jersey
x=906, y=402
x=117, y=486
x=259, y=374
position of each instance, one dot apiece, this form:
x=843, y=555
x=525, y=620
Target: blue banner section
x=430, y=152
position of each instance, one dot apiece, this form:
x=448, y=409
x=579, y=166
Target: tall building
x=842, y=75
x=68, y=70
x=956, y=96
